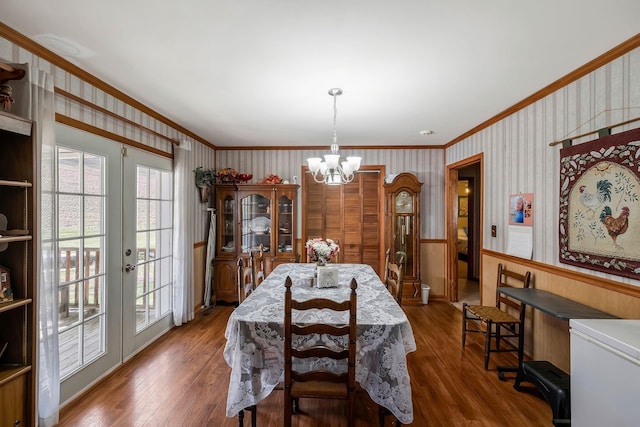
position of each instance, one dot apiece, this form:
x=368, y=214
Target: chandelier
x=333, y=170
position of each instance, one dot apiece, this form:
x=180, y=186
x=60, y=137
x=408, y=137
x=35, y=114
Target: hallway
x=468, y=289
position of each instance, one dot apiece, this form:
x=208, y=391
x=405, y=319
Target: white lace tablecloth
x=255, y=338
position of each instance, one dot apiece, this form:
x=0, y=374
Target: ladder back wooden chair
x=246, y=277
x=319, y=384
x=387, y=256
x=259, y=273
x=394, y=273
x=504, y=320
x=250, y=274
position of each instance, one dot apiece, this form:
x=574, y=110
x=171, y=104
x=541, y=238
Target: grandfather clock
x=402, y=210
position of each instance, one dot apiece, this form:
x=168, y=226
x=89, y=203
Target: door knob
x=129, y=267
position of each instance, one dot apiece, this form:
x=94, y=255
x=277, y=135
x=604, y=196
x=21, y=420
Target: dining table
x=255, y=337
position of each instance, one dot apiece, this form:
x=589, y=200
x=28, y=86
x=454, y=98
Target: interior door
x=147, y=249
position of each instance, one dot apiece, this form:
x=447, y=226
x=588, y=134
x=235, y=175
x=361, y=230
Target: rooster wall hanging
x=600, y=204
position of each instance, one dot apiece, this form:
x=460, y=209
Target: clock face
x=404, y=202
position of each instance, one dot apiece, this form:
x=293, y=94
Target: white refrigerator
x=605, y=372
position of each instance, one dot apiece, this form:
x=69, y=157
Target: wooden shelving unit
x=18, y=257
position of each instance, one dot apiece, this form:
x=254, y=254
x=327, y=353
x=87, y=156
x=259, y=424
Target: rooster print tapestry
x=600, y=204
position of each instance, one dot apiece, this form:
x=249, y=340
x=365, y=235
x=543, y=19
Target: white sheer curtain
x=183, y=210
x=48, y=372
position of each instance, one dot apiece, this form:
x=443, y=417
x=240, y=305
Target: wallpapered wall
x=518, y=157
x=516, y=150
x=200, y=154
x=426, y=164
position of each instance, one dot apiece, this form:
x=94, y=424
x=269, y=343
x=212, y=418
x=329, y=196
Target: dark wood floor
x=182, y=380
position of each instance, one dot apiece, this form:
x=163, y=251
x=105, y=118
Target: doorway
x=107, y=202
x=464, y=223
x=468, y=283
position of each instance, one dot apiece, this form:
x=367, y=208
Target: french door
x=147, y=249
x=114, y=208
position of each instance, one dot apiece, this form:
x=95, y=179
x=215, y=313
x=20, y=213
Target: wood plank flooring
x=182, y=380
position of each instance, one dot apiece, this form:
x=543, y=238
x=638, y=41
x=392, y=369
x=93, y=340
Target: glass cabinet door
x=255, y=222
x=227, y=223
x=284, y=235
x=403, y=241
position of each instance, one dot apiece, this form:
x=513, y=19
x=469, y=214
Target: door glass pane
x=68, y=314
x=256, y=223
x=141, y=282
x=81, y=256
x=69, y=221
x=285, y=221
x=92, y=345
x=166, y=241
x=154, y=237
x=69, y=170
x=93, y=172
x=141, y=313
x=154, y=206
x=142, y=189
x=69, y=343
x=93, y=210
x=167, y=218
x=154, y=183
x=93, y=291
x=154, y=313
x=165, y=300
x=167, y=186
x=142, y=214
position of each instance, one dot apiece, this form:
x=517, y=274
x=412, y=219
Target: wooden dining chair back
x=504, y=320
x=394, y=279
x=319, y=384
x=259, y=273
x=246, y=279
x=385, y=274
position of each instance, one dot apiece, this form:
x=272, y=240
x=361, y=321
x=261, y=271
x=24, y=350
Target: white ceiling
x=257, y=72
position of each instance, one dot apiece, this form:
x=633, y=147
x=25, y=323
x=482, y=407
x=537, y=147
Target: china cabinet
x=252, y=217
x=17, y=272
x=402, y=206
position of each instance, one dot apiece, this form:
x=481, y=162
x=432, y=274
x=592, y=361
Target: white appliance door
x=605, y=372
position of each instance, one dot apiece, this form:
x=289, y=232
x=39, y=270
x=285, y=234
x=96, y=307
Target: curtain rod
x=626, y=122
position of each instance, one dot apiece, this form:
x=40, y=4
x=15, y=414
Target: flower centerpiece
x=321, y=251
x=230, y=175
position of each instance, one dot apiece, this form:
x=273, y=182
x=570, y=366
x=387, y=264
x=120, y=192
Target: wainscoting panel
x=549, y=337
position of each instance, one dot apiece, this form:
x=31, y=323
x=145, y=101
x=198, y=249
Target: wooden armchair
x=504, y=320
x=319, y=384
